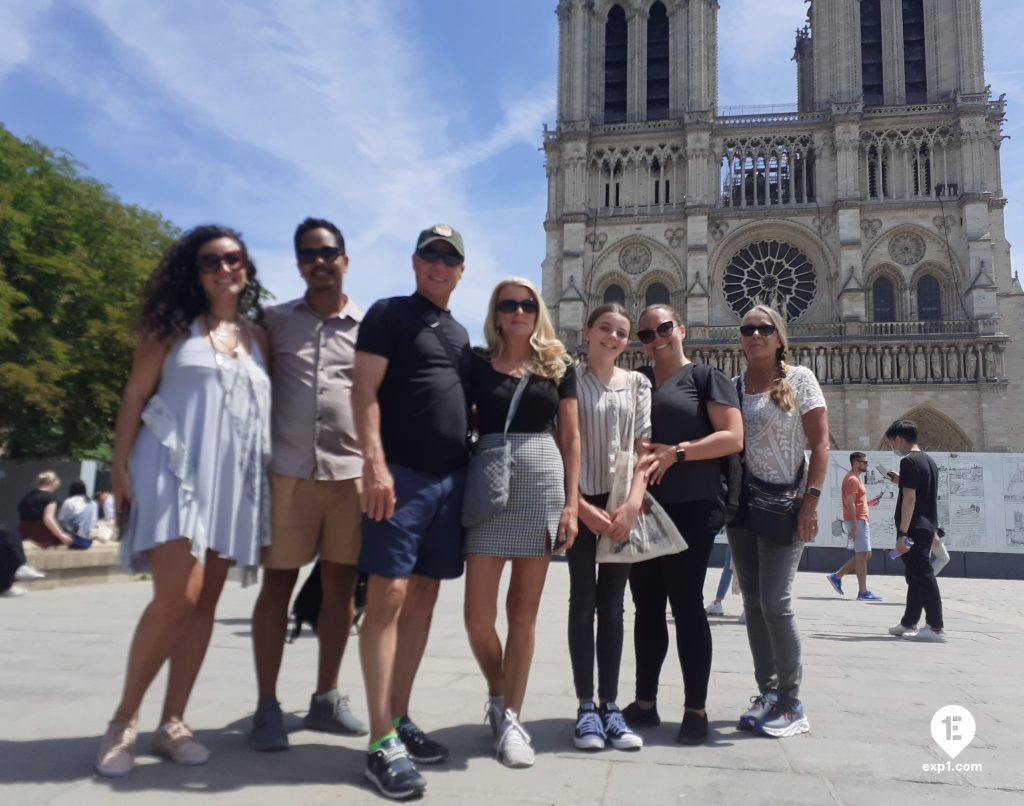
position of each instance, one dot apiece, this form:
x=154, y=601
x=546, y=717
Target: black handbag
x=772, y=509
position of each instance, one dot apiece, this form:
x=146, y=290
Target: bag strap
x=516, y=397
x=434, y=324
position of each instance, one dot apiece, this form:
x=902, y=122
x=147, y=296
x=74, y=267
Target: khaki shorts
x=313, y=517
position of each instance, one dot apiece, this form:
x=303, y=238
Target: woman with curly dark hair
x=190, y=458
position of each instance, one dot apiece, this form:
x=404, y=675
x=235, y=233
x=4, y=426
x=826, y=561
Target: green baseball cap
x=441, y=232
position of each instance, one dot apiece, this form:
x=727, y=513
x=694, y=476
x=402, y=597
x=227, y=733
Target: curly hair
x=550, y=358
x=173, y=297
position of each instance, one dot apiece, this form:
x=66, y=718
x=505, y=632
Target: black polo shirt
x=424, y=414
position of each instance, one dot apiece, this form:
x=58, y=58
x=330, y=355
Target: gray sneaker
x=268, y=733
x=513, y=743
x=330, y=713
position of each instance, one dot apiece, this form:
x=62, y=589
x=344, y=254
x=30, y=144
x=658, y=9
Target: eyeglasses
x=210, y=264
x=754, y=330
x=449, y=258
x=327, y=253
x=512, y=305
x=647, y=336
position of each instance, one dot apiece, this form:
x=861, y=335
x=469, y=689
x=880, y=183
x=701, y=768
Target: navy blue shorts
x=424, y=536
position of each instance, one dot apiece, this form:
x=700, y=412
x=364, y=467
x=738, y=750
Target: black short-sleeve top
x=492, y=393
x=918, y=472
x=424, y=410
x=33, y=505
x=679, y=413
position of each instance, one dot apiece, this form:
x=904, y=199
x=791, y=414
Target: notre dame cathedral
x=870, y=212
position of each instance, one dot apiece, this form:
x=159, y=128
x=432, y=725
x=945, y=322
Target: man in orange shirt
x=855, y=517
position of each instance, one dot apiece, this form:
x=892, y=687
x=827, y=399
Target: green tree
x=73, y=261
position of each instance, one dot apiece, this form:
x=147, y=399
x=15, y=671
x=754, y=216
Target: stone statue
x=886, y=364
x=936, y=363
x=920, y=364
x=821, y=365
x=971, y=364
x=854, y=363
x=903, y=364
x=990, y=363
x=871, y=365
x=952, y=363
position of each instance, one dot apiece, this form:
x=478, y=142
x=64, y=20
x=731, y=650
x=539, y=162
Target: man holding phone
x=855, y=518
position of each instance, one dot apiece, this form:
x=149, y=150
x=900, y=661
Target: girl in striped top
x=615, y=413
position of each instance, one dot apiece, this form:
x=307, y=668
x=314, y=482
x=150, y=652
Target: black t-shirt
x=679, y=413
x=424, y=413
x=33, y=505
x=492, y=392
x=918, y=472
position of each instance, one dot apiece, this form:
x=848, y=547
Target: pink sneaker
x=175, y=741
x=116, y=756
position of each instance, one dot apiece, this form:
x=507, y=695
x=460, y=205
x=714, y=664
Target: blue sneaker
x=391, y=771
x=868, y=596
x=785, y=718
x=835, y=582
x=422, y=749
x=759, y=707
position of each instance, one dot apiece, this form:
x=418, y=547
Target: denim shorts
x=424, y=536
x=863, y=542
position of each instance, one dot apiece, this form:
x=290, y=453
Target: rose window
x=770, y=273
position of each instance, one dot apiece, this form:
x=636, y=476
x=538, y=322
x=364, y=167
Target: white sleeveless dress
x=199, y=465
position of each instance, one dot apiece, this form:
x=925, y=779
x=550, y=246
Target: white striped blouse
x=605, y=417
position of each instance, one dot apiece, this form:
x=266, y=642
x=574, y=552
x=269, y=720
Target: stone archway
x=935, y=431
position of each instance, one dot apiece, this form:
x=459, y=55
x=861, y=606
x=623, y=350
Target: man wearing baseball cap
x=411, y=412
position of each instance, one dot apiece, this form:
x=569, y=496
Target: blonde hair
x=550, y=358
x=780, y=392
x=47, y=478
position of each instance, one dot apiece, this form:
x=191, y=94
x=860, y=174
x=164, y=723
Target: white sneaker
x=13, y=591
x=899, y=630
x=513, y=743
x=494, y=714
x=928, y=634
x=27, y=573
x=715, y=609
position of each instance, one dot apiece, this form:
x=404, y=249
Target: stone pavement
x=870, y=699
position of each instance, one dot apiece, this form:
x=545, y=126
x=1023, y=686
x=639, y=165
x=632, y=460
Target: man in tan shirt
x=315, y=482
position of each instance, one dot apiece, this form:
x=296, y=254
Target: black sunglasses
x=449, y=258
x=513, y=305
x=328, y=253
x=647, y=335
x=763, y=330
x=210, y=264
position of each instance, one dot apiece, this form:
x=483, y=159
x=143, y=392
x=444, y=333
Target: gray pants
x=765, y=571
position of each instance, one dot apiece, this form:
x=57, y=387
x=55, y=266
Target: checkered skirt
x=527, y=524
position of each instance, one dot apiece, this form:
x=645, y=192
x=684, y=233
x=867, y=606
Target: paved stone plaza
x=870, y=699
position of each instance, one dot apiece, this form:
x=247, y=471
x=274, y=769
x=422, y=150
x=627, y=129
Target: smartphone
x=882, y=469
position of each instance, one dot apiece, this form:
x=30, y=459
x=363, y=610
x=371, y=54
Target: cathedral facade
x=870, y=212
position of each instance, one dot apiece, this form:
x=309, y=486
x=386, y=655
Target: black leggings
x=12, y=557
x=679, y=580
x=595, y=589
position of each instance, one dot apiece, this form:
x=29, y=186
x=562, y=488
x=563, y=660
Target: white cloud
x=16, y=23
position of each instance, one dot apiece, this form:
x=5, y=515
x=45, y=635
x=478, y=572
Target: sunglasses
x=210, y=264
x=513, y=305
x=647, y=335
x=754, y=330
x=449, y=258
x=327, y=253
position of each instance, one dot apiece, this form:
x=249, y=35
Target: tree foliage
x=73, y=261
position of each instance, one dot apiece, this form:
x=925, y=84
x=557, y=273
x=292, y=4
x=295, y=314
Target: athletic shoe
x=13, y=591
x=694, y=728
x=116, y=755
x=494, y=714
x=786, y=718
x=513, y=743
x=331, y=713
x=835, y=581
x=928, y=634
x=421, y=748
x=868, y=596
x=759, y=706
x=268, y=733
x=174, y=741
x=590, y=729
x=617, y=732
x=393, y=773
x=26, y=573
x=715, y=609
x=641, y=717
x=899, y=630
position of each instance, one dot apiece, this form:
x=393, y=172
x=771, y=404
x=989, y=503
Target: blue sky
x=382, y=116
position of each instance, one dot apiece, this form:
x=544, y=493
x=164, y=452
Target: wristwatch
x=901, y=534
x=680, y=454
x=814, y=492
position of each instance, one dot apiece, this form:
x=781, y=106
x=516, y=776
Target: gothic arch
x=662, y=263
x=934, y=247
x=899, y=286
x=935, y=431
x=947, y=288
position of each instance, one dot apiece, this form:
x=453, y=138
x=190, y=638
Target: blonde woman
x=38, y=513
x=541, y=514
x=784, y=415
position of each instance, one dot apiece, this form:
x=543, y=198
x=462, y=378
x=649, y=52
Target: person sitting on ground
x=77, y=515
x=38, y=513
